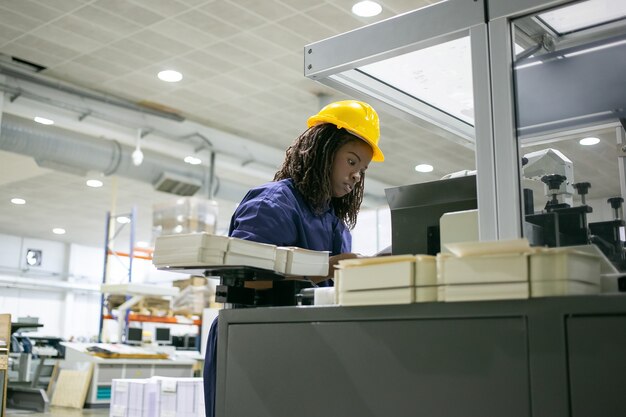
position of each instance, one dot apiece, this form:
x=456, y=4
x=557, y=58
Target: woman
x=314, y=199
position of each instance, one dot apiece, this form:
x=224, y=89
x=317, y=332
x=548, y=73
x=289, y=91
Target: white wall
x=63, y=291
x=45, y=291
x=372, y=232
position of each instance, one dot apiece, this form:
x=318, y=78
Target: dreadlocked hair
x=309, y=161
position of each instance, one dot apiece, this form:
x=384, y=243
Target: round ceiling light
x=193, y=160
x=18, y=201
x=43, y=120
x=94, y=183
x=424, y=168
x=58, y=231
x=367, y=8
x=589, y=141
x=170, y=76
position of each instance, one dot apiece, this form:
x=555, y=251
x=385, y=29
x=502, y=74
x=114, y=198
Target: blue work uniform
x=277, y=213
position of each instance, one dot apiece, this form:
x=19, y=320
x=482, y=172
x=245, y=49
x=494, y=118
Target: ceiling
x=243, y=74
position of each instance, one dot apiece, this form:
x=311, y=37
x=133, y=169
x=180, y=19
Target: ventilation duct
x=175, y=184
x=77, y=153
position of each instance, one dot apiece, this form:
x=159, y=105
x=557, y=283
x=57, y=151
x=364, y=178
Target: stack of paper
x=204, y=249
x=484, y=271
x=192, y=249
x=383, y=280
x=250, y=253
x=425, y=278
x=563, y=271
x=292, y=260
x=157, y=397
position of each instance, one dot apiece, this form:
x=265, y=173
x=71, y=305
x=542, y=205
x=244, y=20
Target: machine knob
x=615, y=202
x=616, y=205
x=553, y=181
x=582, y=188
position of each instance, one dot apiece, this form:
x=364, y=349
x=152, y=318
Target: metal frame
x=334, y=61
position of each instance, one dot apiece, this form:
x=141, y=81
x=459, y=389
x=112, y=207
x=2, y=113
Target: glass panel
x=584, y=15
x=572, y=87
x=440, y=75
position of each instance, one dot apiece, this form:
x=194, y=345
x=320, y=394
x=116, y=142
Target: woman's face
x=351, y=161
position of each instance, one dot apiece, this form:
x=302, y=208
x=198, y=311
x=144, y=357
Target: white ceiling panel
x=243, y=74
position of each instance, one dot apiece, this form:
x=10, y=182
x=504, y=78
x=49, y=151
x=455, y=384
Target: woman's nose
x=356, y=176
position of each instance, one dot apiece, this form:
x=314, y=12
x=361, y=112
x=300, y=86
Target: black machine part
x=232, y=289
x=582, y=188
x=554, y=182
x=616, y=205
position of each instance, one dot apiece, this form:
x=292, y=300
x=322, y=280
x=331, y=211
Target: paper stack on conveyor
x=249, y=253
x=190, y=249
x=398, y=279
x=563, y=271
x=292, y=260
x=513, y=270
x=203, y=249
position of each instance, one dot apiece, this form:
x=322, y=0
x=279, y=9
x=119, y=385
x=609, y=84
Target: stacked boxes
x=514, y=270
x=482, y=277
x=563, y=271
x=385, y=280
x=157, y=397
x=185, y=215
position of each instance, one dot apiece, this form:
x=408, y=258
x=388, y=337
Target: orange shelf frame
x=153, y=319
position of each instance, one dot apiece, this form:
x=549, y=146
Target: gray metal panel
x=391, y=37
x=597, y=365
x=620, y=134
x=545, y=318
x=403, y=367
x=485, y=154
x=572, y=92
x=509, y=8
x=507, y=161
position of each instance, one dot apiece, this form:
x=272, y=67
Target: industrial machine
x=560, y=223
x=31, y=362
x=416, y=210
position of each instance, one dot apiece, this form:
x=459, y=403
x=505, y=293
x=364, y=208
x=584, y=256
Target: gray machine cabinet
x=549, y=357
x=597, y=365
x=377, y=368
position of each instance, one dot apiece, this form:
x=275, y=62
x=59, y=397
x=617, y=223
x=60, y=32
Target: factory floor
x=60, y=412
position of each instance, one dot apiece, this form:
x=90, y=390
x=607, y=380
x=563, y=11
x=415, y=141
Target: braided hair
x=309, y=161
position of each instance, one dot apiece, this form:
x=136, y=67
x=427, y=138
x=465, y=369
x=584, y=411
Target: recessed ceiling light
x=142, y=244
x=589, y=141
x=170, y=76
x=367, y=8
x=94, y=183
x=43, y=120
x=193, y=160
x=423, y=168
x=58, y=231
x=123, y=219
x=18, y=201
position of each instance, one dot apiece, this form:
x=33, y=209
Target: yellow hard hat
x=357, y=117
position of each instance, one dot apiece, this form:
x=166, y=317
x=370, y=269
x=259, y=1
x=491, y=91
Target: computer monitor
x=134, y=336
x=417, y=208
x=162, y=336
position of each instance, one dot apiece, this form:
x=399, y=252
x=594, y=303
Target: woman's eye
x=351, y=162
